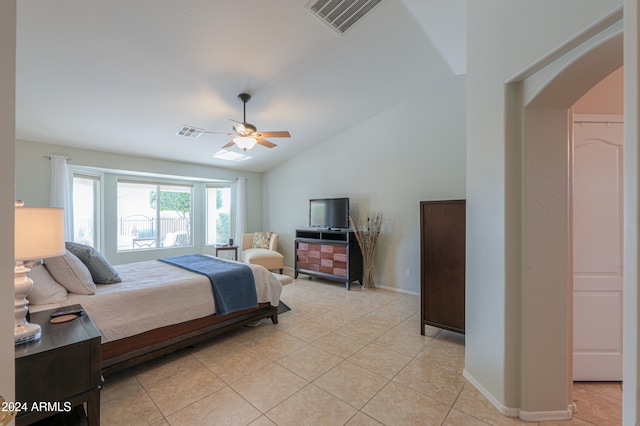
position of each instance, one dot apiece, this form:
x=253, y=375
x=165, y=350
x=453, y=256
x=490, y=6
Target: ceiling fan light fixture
x=245, y=143
x=240, y=128
x=244, y=129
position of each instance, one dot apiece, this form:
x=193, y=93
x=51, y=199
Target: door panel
x=597, y=251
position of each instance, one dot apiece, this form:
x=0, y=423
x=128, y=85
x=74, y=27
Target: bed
x=155, y=309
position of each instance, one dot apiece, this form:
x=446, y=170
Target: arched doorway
x=540, y=106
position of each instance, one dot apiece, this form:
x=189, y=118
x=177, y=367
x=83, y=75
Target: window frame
x=206, y=210
x=97, y=180
x=158, y=183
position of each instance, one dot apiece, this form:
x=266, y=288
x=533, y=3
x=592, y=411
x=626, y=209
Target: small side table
x=226, y=247
x=59, y=371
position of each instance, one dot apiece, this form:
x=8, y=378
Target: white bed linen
x=154, y=294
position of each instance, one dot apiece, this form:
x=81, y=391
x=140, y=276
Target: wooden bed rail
x=130, y=351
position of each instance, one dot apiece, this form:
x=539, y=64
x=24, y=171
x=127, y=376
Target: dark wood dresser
x=59, y=371
x=442, y=264
x=332, y=255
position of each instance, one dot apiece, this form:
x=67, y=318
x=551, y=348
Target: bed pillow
x=261, y=240
x=45, y=288
x=102, y=272
x=71, y=273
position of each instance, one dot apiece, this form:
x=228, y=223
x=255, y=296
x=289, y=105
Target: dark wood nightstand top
x=57, y=335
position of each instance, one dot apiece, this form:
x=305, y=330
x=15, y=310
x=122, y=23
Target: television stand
x=330, y=254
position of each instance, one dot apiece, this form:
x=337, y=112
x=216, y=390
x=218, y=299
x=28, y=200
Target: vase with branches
x=367, y=230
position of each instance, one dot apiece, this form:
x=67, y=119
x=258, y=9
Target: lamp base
x=23, y=331
x=26, y=332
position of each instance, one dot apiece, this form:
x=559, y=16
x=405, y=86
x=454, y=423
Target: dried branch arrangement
x=367, y=229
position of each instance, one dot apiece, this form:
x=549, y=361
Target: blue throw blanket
x=234, y=288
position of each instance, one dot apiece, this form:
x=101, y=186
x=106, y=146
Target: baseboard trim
x=398, y=290
x=528, y=416
x=545, y=416
x=504, y=410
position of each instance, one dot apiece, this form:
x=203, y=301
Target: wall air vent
x=189, y=132
x=340, y=14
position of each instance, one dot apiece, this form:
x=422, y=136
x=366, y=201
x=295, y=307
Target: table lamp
x=39, y=233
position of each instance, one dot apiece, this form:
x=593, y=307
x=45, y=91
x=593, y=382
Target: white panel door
x=597, y=249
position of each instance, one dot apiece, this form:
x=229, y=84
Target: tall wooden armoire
x=442, y=264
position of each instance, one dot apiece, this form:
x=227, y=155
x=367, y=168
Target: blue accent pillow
x=102, y=272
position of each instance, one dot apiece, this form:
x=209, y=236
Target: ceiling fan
x=245, y=135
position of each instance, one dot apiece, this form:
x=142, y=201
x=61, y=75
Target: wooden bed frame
x=130, y=351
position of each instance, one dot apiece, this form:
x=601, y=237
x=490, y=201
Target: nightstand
x=60, y=371
x=226, y=247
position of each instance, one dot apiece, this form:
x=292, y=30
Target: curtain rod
x=56, y=156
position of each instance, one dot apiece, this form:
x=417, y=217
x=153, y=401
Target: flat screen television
x=329, y=213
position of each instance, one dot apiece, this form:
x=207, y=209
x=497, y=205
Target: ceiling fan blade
x=265, y=143
x=220, y=133
x=230, y=143
x=281, y=134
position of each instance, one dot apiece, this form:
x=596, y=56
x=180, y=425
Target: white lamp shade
x=39, y=233
x=245, y=143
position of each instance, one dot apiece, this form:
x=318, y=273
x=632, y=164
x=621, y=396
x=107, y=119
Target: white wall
x=7, y=136
x=504, y=38
x=412, y=152
x=33, y=182
x=631, y=363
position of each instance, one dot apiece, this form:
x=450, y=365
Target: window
x=153, y=215
x=218, y=214
x=86, y=190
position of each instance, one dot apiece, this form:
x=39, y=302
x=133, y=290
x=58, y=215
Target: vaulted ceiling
x=124, y=76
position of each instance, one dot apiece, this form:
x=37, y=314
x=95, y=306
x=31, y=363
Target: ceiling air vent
x=340, y=14
x=189, y=132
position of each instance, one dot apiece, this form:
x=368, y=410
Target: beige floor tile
x=125, y=402
x=233, y=365
x=444, y=354
x=163, y=367
x=351, y=383
x=432, y=381
x=276, y=345
x=398, y=405
x=262, y=421
x=173, y=393
x=612, y=389
x=290, y=319
x=340, y=344
x=597, y=408
x=387, y=317
x=217, y=347
x=457, y=418
x=473, y=403
x=309, y=362
x=573, y=422
x=309, y=330
x=380, y=360
x=358, y=309
x=162, y=422
x=269, y=386
x=409, y=302
x=249, y=335
x=224, y=407
x=310, y=309
x=404, y=341
x=361, y=419
x=334, y=319
x=365, y=330
x=311, y=406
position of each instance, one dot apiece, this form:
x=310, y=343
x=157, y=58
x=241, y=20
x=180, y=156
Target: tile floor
x=336, y=358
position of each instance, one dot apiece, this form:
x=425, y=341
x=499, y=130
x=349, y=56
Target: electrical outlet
x=407, y=272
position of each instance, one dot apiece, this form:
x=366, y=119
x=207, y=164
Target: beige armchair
x=265, y=255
